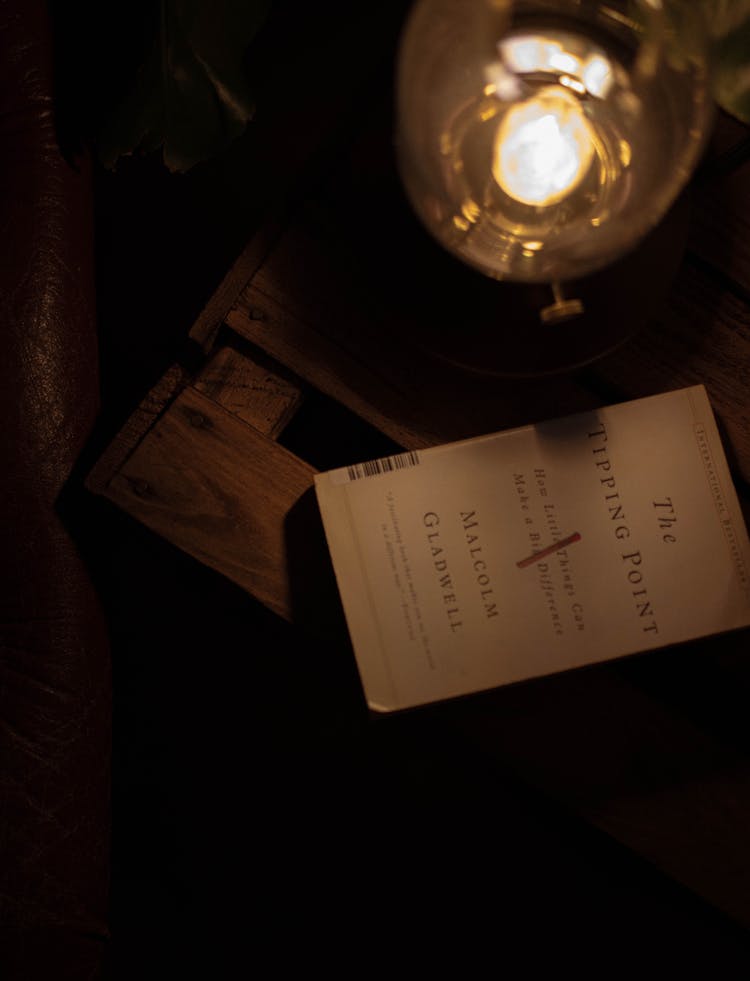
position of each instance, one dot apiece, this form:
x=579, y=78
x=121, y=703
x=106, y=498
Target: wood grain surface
x=219, y=490
x=721, y=228
x=329, y=338
x=635, y=766
x=701, y=336
x=263, y=396
x=136, y=427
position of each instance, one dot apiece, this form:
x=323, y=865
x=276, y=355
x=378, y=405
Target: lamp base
x=423, y=296
x=524, y=330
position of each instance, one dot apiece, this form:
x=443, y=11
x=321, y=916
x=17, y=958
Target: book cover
x=522, y=553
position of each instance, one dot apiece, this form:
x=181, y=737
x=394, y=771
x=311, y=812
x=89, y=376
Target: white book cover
x=491, y=560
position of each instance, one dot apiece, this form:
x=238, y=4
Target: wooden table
x=652, y=750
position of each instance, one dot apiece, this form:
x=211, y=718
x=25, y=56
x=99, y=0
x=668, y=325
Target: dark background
x=256, y=807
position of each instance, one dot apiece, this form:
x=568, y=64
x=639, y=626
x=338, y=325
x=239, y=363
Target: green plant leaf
x=191, y=96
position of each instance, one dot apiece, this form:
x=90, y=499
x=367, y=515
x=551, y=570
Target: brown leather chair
x=54, y=660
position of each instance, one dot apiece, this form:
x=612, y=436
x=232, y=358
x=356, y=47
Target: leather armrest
x=54, y=660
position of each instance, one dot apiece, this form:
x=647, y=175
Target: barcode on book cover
x=371, y=468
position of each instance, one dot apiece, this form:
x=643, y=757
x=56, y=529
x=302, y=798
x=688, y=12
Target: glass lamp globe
x=539, y=141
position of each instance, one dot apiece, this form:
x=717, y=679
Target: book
x=522, y=553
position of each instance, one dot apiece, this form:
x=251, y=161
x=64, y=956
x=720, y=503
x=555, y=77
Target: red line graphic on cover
x=554, y=547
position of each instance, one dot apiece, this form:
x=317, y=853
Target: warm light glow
x=596, y=75
x=524, y=54
x=543, y=148
x=564, y=62
x=573, y=83
x=534, y=53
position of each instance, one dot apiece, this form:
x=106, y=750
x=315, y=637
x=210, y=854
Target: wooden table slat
x=701, y=336
x=729, y=136
x=136, y=427
x=219, y=490
x=634, y=768
x=259, y=394
x=720, y=232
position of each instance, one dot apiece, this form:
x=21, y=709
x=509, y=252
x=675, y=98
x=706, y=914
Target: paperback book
x=522, y=553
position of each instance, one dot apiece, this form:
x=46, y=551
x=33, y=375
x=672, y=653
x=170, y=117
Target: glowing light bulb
x=543, y=148
x=540, y=140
